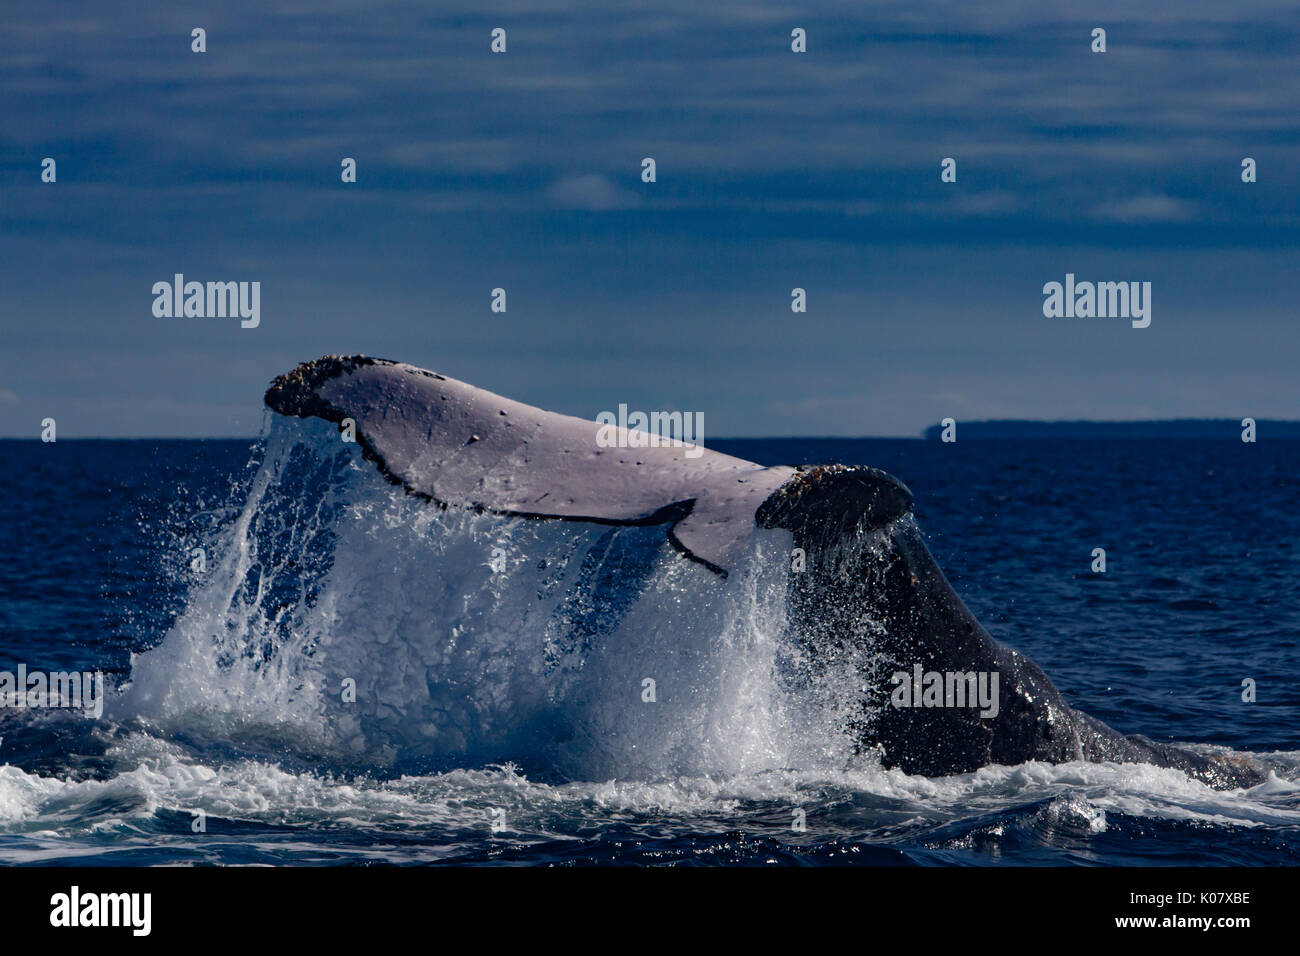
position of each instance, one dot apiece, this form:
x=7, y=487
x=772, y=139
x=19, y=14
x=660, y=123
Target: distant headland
x=1224, y=428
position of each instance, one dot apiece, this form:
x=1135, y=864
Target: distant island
x=1225, y=428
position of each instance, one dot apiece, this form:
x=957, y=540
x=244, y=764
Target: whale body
x=456, y=445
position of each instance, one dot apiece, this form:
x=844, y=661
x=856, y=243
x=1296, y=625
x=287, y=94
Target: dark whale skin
x=448, y=442
x=912, y=615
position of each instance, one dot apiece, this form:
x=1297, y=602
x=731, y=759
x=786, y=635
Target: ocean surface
x=303, y=666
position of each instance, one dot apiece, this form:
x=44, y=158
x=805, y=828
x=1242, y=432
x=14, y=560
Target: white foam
x=459, y=806
x=544, y=663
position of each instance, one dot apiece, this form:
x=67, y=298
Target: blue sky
x=775, y=170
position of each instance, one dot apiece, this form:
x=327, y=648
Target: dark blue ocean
x=229, y=590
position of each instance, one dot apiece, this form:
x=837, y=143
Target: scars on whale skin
x=456, y=445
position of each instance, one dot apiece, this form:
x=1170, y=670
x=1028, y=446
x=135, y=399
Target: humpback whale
x=453, y=444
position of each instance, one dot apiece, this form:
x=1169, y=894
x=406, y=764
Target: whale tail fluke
x=870, y=593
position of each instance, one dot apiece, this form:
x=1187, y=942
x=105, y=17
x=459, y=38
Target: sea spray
x=348, y=623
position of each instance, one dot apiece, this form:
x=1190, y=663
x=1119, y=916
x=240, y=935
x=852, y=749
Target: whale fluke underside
x=454, y=443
